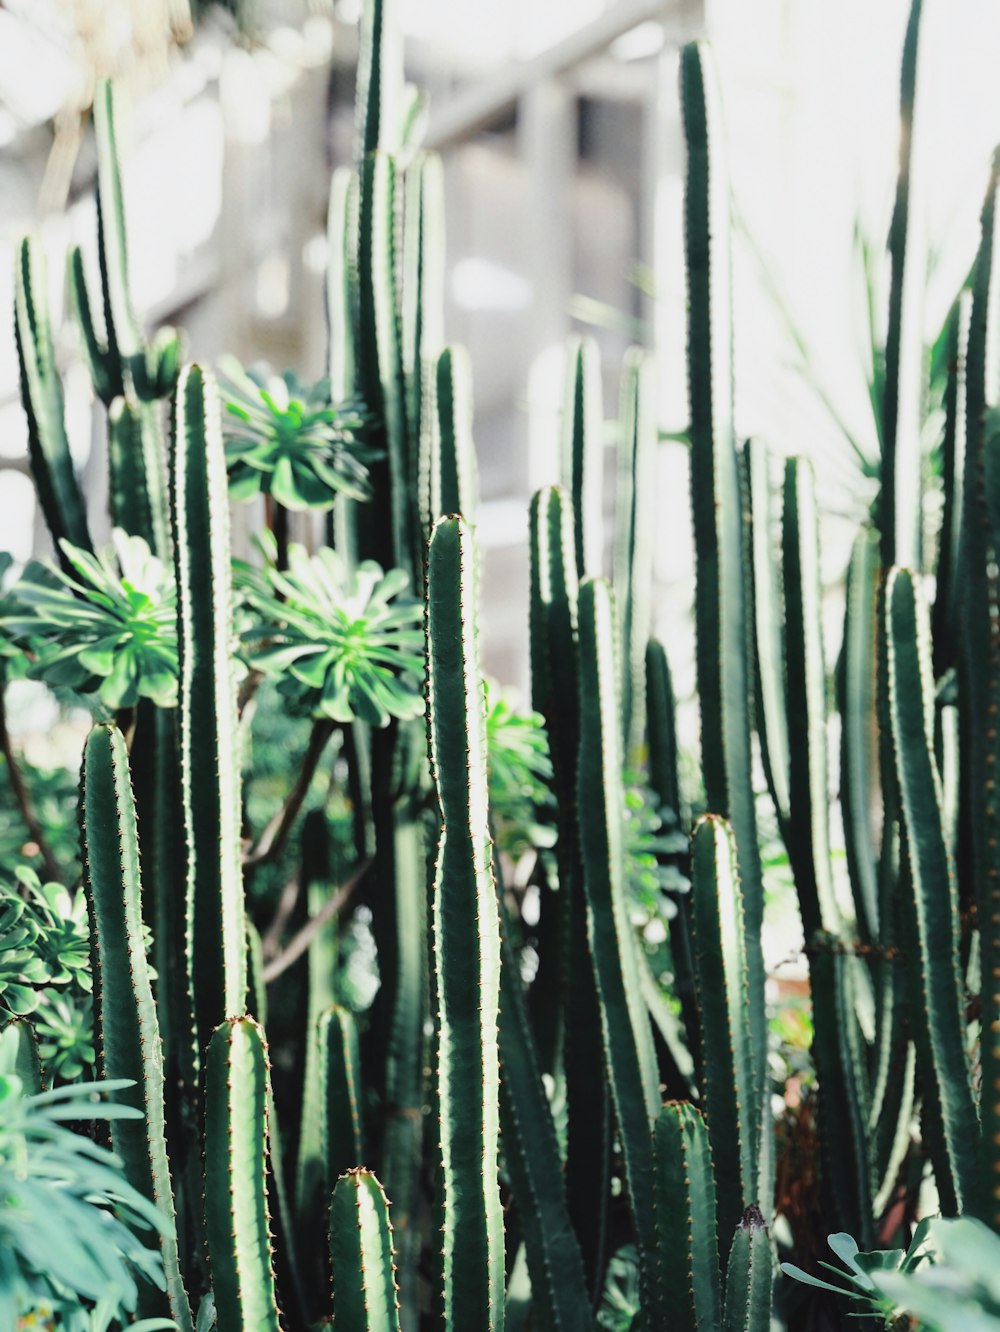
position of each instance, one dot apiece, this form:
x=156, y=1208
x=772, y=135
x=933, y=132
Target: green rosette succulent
x=110, y=630
x=347, y=643
x=288, y=440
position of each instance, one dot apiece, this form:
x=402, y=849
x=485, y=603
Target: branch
x=275, y=835
x=53, y=873
x=301, y=941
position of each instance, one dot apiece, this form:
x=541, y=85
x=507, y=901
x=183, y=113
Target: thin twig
x=271, y=937
x=52, y=870
x=275, y=835
x=301, y=941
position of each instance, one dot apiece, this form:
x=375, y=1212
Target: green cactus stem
x=466, y=942
x=689, y=1284
x=582, y=464
x=749, y=1276
x=236, y=1215
x=59, y=494
x=209, y=738
x=629, y=1053
x=365, y=1297
x=939, y=1016
x=724, y=1001
x=128, y=1033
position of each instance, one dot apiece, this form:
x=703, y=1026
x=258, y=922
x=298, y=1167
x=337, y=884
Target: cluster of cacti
x=472, y=1144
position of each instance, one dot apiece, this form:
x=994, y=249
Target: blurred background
x=558, y=124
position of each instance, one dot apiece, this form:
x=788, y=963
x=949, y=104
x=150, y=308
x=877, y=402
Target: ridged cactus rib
x=900, y=499
x=768, y=626
x=582, y=466
x=380, y=372
x=236, y=1215
x=128, y=1033
x=724, y=1001
x=59, y=494
x=808, y=830
x=630, y=1056
x=454, y=482
x=940, y=1026
x=749, y=1276
x=365, y=1297
x=311, y=1193
x=209, y=726
x=466, y=942
x=340, y=1079
x=379, y=98
x=689, y=1284
x=633, y=572
x=981, y=675
x=555, y=1263
x=720, y=609
x=661, y=727
x=341, y=282
x=858, y=756
x=150, y=371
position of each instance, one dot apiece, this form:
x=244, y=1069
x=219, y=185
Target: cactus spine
x=466, y=941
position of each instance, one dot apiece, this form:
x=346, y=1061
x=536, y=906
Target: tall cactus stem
x=466, y=942
x=128, y=1033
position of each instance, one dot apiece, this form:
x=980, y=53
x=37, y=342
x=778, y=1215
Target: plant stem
x=52, y=871
x=275, y=835
x=301, y=941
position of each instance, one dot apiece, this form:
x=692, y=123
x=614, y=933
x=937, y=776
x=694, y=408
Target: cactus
x=361, y=1256
x=126, y=1014
x=687, y=1249
x=452, y=481
x=630, y=1058
x=582, y=462
x=633, y=573
x=939, y=1018
x=236, y=1215
x=900, y=498
x=209, y=745
x=720, y=610
x=748, y=1277
x=340, y=1072
x=724, y=1002
x=466, y=941
x=573, y=1003
x=42, y=397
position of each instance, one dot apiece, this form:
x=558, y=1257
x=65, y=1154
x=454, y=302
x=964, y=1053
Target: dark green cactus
x=209, y=745
x=633, y=572
x=236, y=1215
x=689, y=1285
x=939, y=1017
x=365, y=1296
x=129, y=1037
x=42, y=397
x=724, y=1003
x=629, y=1054
x=749, y=1276
x=582, y=463
x=466, y=941
x=453, y=484
x=720, y=603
